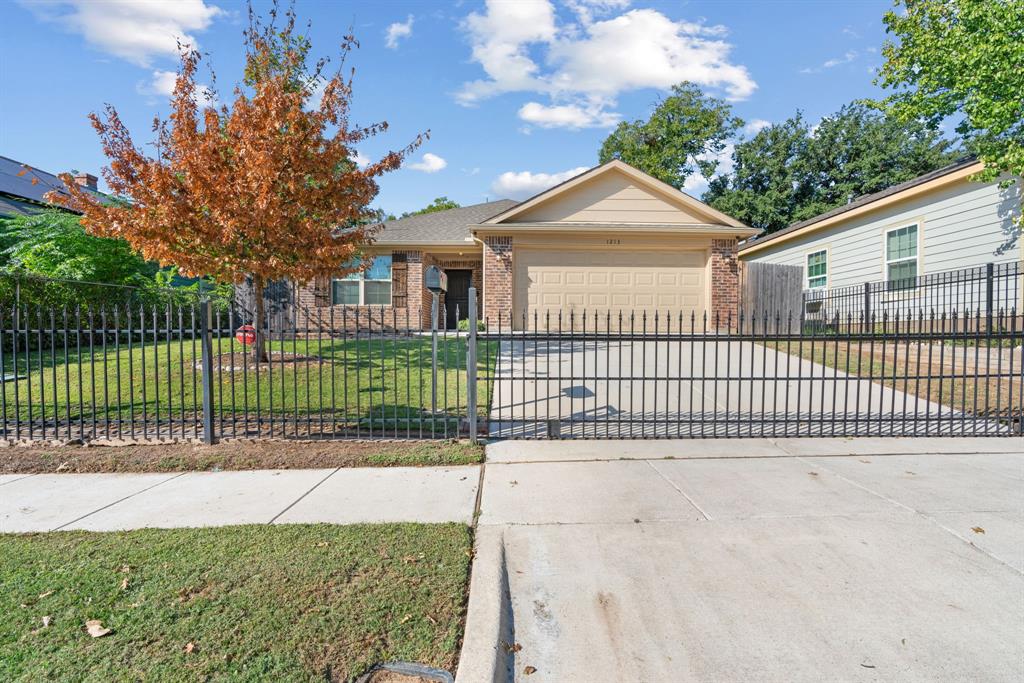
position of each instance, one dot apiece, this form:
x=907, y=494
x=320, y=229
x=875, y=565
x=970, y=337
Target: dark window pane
x=902, y=275
x=345, y=292
x=377, y=293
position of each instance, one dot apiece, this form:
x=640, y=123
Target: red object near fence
x=246, y=334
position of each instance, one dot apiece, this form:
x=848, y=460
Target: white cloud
x=586, y=9
x=522, y=48
x=135, y=31
x=162, y=84
x=429, y=163
x=523, y=184
x=848, y=57
x=397, y=31
x=362, y=161
x=755, y=126
x=567, y=116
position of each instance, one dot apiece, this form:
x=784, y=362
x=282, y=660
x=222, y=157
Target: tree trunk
x=259, y=347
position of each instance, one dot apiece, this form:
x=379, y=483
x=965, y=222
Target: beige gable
x=612, y=198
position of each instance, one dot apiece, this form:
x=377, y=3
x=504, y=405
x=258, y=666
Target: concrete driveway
x=604, y=389
x=800, y=560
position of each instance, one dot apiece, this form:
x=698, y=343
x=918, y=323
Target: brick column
x=497, y=278
x=725, y=282
x=414, y=288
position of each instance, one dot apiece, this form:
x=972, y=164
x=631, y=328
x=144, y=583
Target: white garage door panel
x=630, y=281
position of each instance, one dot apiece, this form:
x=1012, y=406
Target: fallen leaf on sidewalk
x=977, y=530
x=529, y=671
x=95, y=628
x=813, y=474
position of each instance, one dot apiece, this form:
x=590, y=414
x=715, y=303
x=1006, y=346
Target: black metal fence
x=602, y=375
x=186, y=369
x=980, y=290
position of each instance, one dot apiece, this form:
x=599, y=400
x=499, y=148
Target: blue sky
x=516, y=93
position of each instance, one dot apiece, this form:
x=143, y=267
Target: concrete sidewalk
x=792, y=560
x=107, y=502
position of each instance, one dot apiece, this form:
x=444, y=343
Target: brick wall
x=411, y=302
x=497, y=265
x=725, y=282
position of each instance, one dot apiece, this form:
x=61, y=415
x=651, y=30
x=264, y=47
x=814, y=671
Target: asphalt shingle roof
x=441, y=227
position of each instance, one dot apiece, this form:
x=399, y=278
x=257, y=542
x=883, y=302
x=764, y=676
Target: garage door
x=627, y=281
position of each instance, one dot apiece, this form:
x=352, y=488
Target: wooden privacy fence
x=772, y=289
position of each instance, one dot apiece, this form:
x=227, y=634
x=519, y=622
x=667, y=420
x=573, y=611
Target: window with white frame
x=901, y=257
x=817, y=269
x=371, y=287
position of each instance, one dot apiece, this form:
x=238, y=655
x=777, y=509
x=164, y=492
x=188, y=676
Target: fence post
x=434, y=307
x=471, y=368
x=206, y=344
x=867, y=302
x=989, y=293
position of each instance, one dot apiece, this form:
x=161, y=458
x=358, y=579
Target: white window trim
x=807, y=268
x=362, y=288
x=916, y=257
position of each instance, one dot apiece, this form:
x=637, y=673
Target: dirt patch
x=243, y=362
x=235, y=455
x=394, y=677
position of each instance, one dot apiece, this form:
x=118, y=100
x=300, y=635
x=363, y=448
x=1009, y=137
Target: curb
x=487, y=649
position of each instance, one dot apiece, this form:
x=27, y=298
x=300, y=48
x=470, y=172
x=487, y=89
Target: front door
x=457, y=297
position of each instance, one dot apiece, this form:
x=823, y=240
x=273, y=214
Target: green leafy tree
x=439, y=204
x=684, y=134
x=55, y=244
x=768, y=183
x=789, y=172
x=859, y=150
x=961, y=58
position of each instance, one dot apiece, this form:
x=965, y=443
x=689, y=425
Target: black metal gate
x=644, y=376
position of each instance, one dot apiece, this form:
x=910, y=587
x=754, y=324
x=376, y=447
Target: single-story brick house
x=610, y=239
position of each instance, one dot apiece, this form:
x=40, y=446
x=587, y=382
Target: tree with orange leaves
x=266, y=188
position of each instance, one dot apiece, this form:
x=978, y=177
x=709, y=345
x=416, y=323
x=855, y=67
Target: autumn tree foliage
x=264, y=187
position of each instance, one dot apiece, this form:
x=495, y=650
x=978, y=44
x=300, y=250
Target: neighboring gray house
x=939, y=222
x=19, y=195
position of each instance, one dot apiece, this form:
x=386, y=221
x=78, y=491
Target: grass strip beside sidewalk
x=236, y=455
x=283, y=603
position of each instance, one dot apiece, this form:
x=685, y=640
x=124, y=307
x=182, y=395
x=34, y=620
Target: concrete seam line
x=479, y=493
x=297, y=500
x=679, y=490
x=11, y=481
x=856, y=484
x=121, y=500
x=919, y=513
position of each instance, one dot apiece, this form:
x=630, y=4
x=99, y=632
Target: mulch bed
x=235, y=455
x=243, y=362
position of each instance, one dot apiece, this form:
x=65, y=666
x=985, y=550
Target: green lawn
x=248, y=603
x=907, y=370
x=383, y=381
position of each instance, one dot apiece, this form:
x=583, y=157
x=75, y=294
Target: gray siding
x=962, y=225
